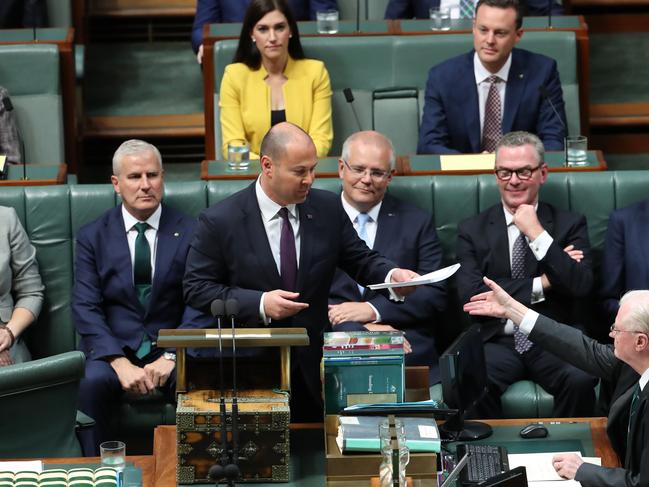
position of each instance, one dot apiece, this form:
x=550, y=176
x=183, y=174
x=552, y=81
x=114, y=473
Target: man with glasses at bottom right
x=541, y=256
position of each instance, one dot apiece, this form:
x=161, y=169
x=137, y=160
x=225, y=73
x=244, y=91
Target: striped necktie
x=467, y=9
x=521, y=343
x=492, y=129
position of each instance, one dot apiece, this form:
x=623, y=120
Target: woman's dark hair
x=247, y=52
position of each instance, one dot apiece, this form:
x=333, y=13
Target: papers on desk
x=540, y=472
x=467, y=162
x=430, y=278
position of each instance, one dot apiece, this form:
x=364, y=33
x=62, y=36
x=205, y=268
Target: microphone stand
x=217, y=471
x=232, y=471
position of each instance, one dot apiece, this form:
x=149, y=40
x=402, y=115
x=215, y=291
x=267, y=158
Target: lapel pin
x=309, y=216
x=521, y=76
x=390, y=214
x=176, y=234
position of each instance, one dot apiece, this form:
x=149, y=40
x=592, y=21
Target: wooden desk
x=311, y=468
x=37, y=175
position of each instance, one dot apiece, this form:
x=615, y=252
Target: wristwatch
x=169, y=356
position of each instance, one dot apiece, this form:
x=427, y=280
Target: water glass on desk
x=327, y=21
x=576, y=150
x=393, y=453
x=238, y=155
x=440, y=18
x=113, y=454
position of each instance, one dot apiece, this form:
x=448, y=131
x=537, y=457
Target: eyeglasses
x=523, y=174
x=376, y=174
x=617, y=330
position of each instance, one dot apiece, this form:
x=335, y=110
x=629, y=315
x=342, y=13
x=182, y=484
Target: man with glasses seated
x=399, y=231
x=541, y=256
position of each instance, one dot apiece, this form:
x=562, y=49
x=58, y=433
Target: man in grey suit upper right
x=625, y=364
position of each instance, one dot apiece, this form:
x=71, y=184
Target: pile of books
x=361, y=434
x=81, y=477
x=362, y=367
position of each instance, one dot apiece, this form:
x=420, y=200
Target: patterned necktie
x=467, y=9
x=635, y=401
x=521, y=342
x=361, y=221
x=492, y=126
x=287, y=253
x=142, y=278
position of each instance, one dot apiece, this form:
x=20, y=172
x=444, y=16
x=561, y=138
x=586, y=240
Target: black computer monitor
x=464, y=383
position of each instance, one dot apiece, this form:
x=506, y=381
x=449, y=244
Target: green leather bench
x=52, y=215
x=389, y=95
x=31, y=74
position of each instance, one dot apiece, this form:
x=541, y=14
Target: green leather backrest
x=53, y=214
x=31, y=74
x=59, y=13
x=369, y=9
x=368, y=64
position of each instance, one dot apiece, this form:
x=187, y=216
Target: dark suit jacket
x=407, y=9
x=406, y=235
x=595, y=358
x=105, y=307
x=483, y=250
x=451, y=118
x=230, y=257
x=625, y=265
x=22, y=13
x=221, y=11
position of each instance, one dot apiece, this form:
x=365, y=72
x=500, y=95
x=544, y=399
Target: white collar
x=268, y=207
x=482, y=74
x=353, y=212
x=153, y=220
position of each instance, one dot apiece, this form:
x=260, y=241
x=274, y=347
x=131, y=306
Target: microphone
x=545, y=94
x=550, y=13
x=349, y=97
x=232, y=471
x=217, y=471
x=358, y=15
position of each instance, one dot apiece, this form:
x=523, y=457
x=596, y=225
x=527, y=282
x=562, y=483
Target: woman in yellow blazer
x=270, y=81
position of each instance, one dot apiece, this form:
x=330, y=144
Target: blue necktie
x=633, y=410
x=361, y=221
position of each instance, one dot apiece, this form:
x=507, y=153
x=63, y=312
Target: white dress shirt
x=481, y=78
x=539, y=248
x=150, y=233
x=273, y=226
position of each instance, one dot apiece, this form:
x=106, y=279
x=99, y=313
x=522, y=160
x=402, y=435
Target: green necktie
x=142, y=278
x=635, y=401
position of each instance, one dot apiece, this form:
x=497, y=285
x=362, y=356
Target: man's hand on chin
x=159, y=371
x=403, y=275
x=132, y=378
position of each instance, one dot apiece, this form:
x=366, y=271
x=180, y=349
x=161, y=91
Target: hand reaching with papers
x=351, y=311
x=403, y=275
x=567, y=464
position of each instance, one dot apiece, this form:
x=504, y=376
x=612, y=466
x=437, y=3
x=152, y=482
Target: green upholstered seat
x=39, y=404
x=378, y=87
x=31, y=74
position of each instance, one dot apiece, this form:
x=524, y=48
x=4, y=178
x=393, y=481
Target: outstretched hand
x=495, y=303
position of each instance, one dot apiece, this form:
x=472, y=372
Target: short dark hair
x=515, y=4
x=247, y=52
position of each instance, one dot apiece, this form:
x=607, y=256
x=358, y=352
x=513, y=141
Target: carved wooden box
x=263, y=443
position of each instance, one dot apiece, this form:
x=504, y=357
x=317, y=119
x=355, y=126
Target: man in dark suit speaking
x=275, y=246
x=541, y=255
x=474, y=98
x=625, y=364
x=401, y=232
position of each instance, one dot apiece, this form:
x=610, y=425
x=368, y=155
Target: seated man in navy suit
x=625, y=265
x=222, y=11
x=400, y=231
x=539, y=254
x=625, y=365
x=474, y=98
x=420, y=9
x=274, y=247
x=128, y=286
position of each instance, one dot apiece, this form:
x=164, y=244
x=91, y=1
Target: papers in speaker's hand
x=430, y=278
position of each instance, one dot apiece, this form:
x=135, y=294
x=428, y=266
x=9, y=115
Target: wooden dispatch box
x=357, y=469
x=263, y=442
